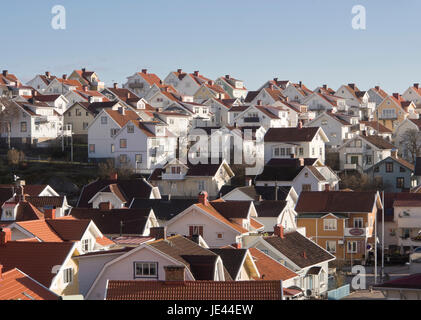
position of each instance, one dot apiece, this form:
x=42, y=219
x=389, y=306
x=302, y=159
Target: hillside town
x=189, y=188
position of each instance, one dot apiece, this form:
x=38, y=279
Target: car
x=416, y=255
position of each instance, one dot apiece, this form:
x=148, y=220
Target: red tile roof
x=193, y=290
x=269, y=268
x=16, y=285
x=120, y=118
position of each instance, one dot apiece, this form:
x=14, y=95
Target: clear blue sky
x=308, y=40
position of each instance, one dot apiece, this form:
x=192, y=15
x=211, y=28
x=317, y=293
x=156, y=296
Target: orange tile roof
x=256, y=224
x=16, y=285
x=40, y=229
x=120, y=118
x=269, y=268
x=193, y=290
x=150, y=78
x=104, y=241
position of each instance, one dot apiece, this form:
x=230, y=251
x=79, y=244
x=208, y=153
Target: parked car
x=416, y=255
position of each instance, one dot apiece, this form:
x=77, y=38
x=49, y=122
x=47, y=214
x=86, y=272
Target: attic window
x=130, y=129
x=324, y=122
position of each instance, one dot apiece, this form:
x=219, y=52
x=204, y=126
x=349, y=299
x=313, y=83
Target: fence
x=338, y=293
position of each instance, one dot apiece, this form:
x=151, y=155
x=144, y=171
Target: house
x=197, y=290
x=30, y=123
x=340, y=224
x=178, y=123
x=270, y=96
x=118, y=192
x=84, y=233
x=143, y=145
x=78, y=117
x=265, y=116
x=361, y=152
x=259, y=193
x=413, y=94
x=59, y=203
x=300, y=142
x=115, y=93
x=174, y=258
x=180, y=180
x=87, y=78
x=104, y=128
x=220, y=108
x=303, y=174
x=393, y=173
x=401, y=134
x=57, y=101
x=16, y=285
x=373, y=128
x=233, y=87
x=41, y=81
x=62, y=85
x=209, y=90
x=336, y=126
x=238, y=262
x=393, y=110
x=18, y=209
x=49, y=263
x=299, y=254
x=357, y=100
x=324, y=89
x=377, y=95
x=118, y=222
x=219, y=222
x=141, y=82
x=278, y=84
x=84, y=95
x=186, y=83
x=297, y=92
x=275, y=212
x=321, y=102
x=403, y=288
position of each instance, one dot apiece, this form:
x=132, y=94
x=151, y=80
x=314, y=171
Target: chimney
x=416, y=85
x=259, y=102
x=114, y=176
x=210, y=82
x=300, y=124
x=377, y=88
x=275, y=79
x=128, y=95
x=20, y=194
x=158, y=233
x=301, y=161
x=115, y=85
x=105, y=206
x=300, y=84
x=174, y=273
x=166, y=88
x=278, y=231
x=394, y=153
x=64, y=76
x=203, y=198
x=5, y=235
x=85, y=88
x=145, y=71
x=5, y=73
x=351, y=85
x=83, y=70
x=396, y=95
x=287, y=99
x=327, y=187
x=18, y=83
x=179, y=70
x=50, y=213
x=122, y=110
x=248, y=181
x=271, y=86
x=236, y=245
x=325, y=86
x=34, y=93
x=196, y=73
x=227, y=76
x=47, y=74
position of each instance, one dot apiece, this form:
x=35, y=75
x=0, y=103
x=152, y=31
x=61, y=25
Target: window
x=138, y=158
x=104, y=120
x=400, y=182
x=78, y=113
x=175, y=170
x=402, y=169
x=312, y=151
x=68, y=275
x=196, y=230
x=352, y=246
x=201, y=185
x=23, y=127
x=306, y=187
x=321, y=151
x=91, y=148
x=146, y=269
x=389, y=166
x=123, y=143
x=113, y=132
x=358, y=222
x=324, y=122
x=331, y=246
x=376, y=169
x=369, y=160
x=9, y=214
x=112, y=148
x=86, y=244
x=220, y=235
x=329, y=224
x=301, y=151
x=123, y=158
x=130, y=129
x=85, y=125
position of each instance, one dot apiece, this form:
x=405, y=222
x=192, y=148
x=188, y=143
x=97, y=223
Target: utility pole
x=71, y=147
x=375, y=248
x=382, y=273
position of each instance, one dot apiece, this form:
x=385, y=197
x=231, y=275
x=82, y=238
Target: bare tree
x=411, y=141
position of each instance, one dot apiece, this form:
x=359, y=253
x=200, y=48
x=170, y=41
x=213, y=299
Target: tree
x=411, y=141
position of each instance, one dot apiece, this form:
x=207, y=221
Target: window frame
x=143, y=276
x=330, y=229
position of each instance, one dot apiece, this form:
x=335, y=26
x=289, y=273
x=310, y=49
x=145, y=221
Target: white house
x=41, y=81
x=413, y=94
x=297, y=92
x=186, y=83
x=141, y=82
x=264, y=116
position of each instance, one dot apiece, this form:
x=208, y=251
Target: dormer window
x=9, y=213
x=175, y=170
x=86, y=244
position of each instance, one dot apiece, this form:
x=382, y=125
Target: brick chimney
x=210, y=82
x=227, y=76
x=47, y=74
x=416, y=85
x=203, y=198
x=394, y=153
x=64, y=76
x=85, y=88
x=325, y=86
x=34, y=93
x=105, y=206
x=115, y=85
x=287, y=99
x=278, y=231
x=396, y=95
x=20, y=194
x=351, y=85
x=327, y=187
x=300, y=84
x=259, y=102
x=145, y=71
x=158, y=232
x=114, y=176
x=236, y=245
x=196, y=73
x=179, y=70
x=50, y=213
x=5, y=73
x=271, y=86
x=83, y=70
x=377, y=88
x=275, y=79
x=175, y=273
x=5, y=235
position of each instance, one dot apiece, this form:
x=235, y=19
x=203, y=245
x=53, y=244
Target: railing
x=172, y=176
x=350, y=166
x=134, y=85
x=339, y=293
x=251, y=119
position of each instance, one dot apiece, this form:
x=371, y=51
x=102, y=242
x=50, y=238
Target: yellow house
x=393, y=110
x=79, y=117
x=210, y=90
x=341, y=222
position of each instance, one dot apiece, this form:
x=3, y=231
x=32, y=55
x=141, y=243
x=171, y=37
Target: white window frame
x=326, y=226
x=352, y=249
x=142, y=263
x=68, y=275
x=329, y=247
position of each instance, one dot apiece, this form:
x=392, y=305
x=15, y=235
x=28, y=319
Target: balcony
x=251, y=119
x=350, y=166
x=388, y=117
x=172, y=176
x=356, y=232
x=354, y=150
x=135, y=85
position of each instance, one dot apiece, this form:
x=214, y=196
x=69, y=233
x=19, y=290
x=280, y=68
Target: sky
x=308, y=40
